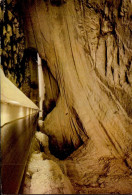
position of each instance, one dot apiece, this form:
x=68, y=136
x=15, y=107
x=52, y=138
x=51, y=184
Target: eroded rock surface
x=87, y=47
x=43, y=175
x=91, y=174
x=84, y=46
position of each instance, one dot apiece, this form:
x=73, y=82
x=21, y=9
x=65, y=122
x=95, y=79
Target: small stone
x=94, y=185
x=102, y=185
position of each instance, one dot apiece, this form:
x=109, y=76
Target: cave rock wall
x=87, y=46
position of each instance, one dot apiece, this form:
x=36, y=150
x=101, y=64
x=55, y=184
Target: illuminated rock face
x=88, y=56
x=87, y=47
x=44, y=173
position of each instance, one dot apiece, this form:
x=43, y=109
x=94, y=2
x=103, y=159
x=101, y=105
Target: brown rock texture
x=87, y=49
x=83, y=45
x=91, y=173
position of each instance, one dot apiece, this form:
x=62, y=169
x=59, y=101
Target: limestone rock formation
x=86, y=48
x=91, y=174
x=51, y=90
x=43, y=175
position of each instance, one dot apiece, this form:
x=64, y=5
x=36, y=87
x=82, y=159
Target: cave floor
x=90, y=173
x=80, y=173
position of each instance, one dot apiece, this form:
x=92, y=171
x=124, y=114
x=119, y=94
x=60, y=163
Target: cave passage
x=66, y=96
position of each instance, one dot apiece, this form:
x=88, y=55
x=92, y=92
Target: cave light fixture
x=14, y=102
